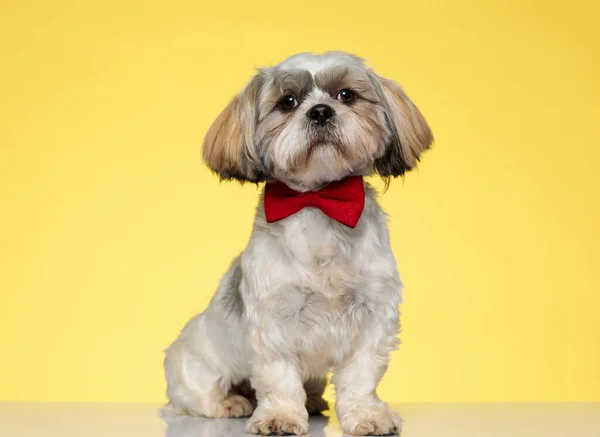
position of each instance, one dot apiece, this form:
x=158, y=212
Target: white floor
x=420, y=420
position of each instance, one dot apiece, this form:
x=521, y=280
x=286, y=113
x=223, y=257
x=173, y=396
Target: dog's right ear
x=230, y=148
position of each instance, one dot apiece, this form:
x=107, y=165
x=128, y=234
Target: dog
x=317, y=287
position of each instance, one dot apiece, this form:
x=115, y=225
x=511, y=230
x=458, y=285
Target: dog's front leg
x=281, y=397
x=359, y=409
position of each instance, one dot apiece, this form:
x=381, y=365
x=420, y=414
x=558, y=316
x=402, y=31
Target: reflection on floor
x=420, y=420
x=196, y=427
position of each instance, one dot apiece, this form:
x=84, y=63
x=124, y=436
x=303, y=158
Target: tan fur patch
x=222, y=141
x=415, y=134
x=229, y=148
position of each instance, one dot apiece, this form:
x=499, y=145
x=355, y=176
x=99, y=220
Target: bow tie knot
x=342, y=200
x=310, y=199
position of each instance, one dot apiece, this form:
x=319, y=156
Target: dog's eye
x=288, y=102
x=346, y=96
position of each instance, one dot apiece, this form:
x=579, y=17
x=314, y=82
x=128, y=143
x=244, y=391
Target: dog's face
x=314, y=119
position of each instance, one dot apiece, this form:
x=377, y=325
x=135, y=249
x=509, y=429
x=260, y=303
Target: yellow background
x=113, y=233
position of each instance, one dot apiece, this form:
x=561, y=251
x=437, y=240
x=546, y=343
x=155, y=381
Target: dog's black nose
x=320, y=113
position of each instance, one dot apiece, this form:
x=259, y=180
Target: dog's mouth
x=322, y=136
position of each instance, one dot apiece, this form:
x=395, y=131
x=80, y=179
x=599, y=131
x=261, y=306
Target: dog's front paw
x=370, y=421
x=276, y=422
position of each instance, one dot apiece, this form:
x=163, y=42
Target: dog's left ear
x=411, y=134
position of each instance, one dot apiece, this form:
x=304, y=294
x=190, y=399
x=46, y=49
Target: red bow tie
x=342, y=200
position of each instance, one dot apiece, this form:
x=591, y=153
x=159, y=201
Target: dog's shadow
x=186, y=426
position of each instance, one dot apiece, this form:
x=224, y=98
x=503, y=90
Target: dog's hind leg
x=194, y=388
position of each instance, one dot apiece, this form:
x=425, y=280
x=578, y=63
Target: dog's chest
x=326, y=257
x=322, y=281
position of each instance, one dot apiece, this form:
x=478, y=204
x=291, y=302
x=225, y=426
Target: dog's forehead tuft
x=313, y=63
x=297, y=80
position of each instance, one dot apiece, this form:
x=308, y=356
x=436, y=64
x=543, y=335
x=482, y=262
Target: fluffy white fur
x=307, y=295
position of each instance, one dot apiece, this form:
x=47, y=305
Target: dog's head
x=313, y=119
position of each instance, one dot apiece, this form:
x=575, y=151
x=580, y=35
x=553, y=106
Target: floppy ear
x=411, y=134
x=229, y=147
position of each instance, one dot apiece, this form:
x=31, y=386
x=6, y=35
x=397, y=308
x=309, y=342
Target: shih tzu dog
x=317, y=287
